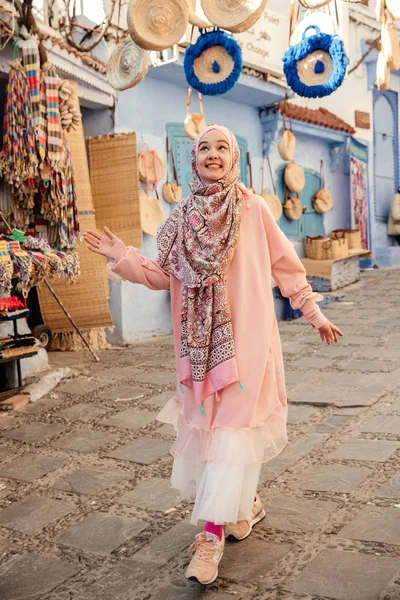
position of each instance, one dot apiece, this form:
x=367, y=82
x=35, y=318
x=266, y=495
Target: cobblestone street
x=87, y=512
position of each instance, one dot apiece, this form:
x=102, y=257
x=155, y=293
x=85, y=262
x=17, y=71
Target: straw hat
x=151, y=214
x=172, y=193
x=196, y=15
x=127, y=66
x=151, y=165
x=393, y=7
x=293, y=208
x=233, y=15
x=382, y=72
x=287, y=145
x=314, y=3
x=157, y=24
x=294, y=177
x=322, y=201
x=391, y=45
x=274, y=204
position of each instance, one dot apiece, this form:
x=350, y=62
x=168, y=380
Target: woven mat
x=87, y=300
x=115, y=185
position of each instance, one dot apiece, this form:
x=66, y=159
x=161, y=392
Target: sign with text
x=264, y=45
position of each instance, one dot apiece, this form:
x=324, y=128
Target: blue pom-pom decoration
x=309, y=44
x=205, y=41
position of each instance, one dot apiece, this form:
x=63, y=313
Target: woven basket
x=292, y=207
x=197, y=16
x=151, y=166
x=151, y=214
x=171, y=192
x=314, y=247
x=234, y=15
x=391, y=45
x=115, y=185
x=336, y=249
x=287, y=145
x=294, y=178
x=275, y=205
x=127, y=66
x=353, y=237
x=157, y=24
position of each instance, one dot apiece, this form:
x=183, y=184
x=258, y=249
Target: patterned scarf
x=49, y=132
x=30, y=57
x=196, y=244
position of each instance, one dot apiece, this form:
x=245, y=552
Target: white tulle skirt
x=220, y=468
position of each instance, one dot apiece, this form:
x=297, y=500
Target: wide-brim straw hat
x=127, y=66
x=234, y=15
x=295, y=179
x=151, y=214
x=157, y=24
x=197, y=16
x=274, y=204
x=151, y=166
x=313, y=3
x=287, y=145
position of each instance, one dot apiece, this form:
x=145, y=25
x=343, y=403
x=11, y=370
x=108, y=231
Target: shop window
x=181, y=146
x=311, y=223
x=386, y=151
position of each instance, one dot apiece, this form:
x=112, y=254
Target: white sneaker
x=208, y=549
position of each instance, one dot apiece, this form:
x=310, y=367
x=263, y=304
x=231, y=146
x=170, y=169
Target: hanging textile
x=49, y=134
x=30, y=58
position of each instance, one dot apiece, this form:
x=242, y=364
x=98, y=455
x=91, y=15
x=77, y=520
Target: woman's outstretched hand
x=99, y=243
x=329, y=333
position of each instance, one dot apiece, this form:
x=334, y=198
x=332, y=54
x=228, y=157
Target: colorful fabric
x=30, y=57
x=196, y=244
x=50, y=132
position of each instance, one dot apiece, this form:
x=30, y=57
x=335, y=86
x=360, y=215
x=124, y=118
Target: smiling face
x=213, y=155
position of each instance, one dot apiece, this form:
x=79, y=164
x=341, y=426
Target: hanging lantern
x=213, y=64
x=316, y=66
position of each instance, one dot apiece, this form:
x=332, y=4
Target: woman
x=216, y=253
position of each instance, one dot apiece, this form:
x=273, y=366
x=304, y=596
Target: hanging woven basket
x=234, y=15
x=322, y=200
x=151, y=166
x=194, y=123
x=293, y=208
x=382, y=72
x=316, y=66
x=213, y=64
x=127, y=66
x=172, y=193
x=274, y=203
x=157, y=24
x=287, y=141
x=151, y=214
x=295, y=179
x=391, y=45
x=197, y=16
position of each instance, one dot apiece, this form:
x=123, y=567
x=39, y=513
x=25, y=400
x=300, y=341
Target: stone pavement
x=87, y=512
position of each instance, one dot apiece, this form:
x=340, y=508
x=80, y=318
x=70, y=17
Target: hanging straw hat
x=151, y=166
x=194, y=123
x=294, y=177
x=127, y=66
x=197, y=16
x=151, y=214
x=157, y=24
x=233, y=15
x=390, y=45
x=313, y=3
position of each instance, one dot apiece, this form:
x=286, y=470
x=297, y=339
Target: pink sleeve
x=289, y=272
x=131, y=266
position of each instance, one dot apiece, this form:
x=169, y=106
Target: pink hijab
x=197, y=243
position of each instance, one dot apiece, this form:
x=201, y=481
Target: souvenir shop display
x=157, y=24
x=194, y=123
x=127, y=65
x=273, y=201
x=317, y=65
x=233, y=15
x=295, y=179
x=172, y=193
x=11, y=308
x=322, y=200
x=213, y=64
x=69, y=114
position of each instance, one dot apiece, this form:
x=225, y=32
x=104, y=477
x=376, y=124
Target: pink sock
x=213, y=528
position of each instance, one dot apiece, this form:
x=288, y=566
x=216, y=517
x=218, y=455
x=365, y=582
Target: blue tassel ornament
x=330, y=72
x=221, y=83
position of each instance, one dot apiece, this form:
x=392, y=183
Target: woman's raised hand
x=99, y=243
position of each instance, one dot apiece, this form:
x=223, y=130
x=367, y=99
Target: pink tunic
x=242, y=428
